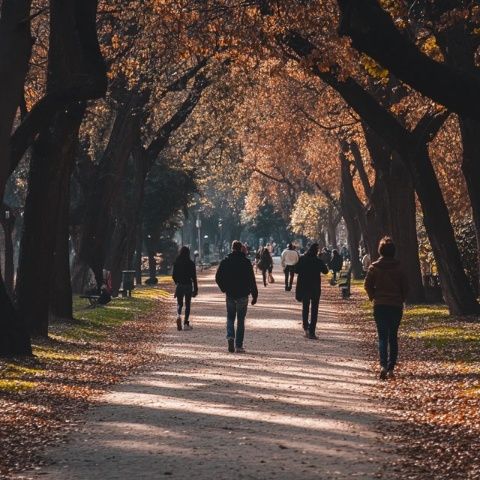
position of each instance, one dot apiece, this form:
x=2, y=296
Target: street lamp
x=220, y=247
x=198, y=224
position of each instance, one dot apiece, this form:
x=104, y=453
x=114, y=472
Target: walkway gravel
x=290, y=408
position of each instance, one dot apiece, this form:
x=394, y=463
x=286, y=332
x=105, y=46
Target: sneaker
x=390, y=374
x=231, y=346
x=305, y=332
x=179, y=322
x=187, y=326
x=383, y=374
x=239, y=350
x=312, y=336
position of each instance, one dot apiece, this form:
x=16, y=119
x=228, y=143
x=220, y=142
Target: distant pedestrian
x=336, y=264
x=326, y=256
x=236, y=279
x=366, y=262
x=289, y=259
x=308, y=290
x=386, y=285
x=265, y=264
x=185, y=277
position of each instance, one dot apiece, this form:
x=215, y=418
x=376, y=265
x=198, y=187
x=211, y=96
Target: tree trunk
x=332, y=227
x=456, y=289
x=353, y=232
x=138, y=253
x=8, y=225
x=46, y=207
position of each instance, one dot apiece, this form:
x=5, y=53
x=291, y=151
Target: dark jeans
x=236, y=307
x=184, y=292
x=310, y=303
x=264, y=274
x=387, y=318
x=289, y=274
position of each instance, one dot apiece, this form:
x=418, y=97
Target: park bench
x=345, y=285
x=92, y=299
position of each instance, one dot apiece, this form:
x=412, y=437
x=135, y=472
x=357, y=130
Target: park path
x=290, y=408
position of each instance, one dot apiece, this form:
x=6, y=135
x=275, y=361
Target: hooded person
x=387, y=287
x=309, y=269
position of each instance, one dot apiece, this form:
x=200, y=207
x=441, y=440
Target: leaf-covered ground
x=41, y=398
x=434, y=401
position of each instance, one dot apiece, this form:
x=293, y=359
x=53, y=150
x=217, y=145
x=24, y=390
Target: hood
x=386, y=263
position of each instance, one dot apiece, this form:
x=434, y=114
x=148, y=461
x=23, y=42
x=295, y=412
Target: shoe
x=179, y=323
x=187, y=326
x=231, y=346
x=312, y=336
x=305, y=332
x=383, y=374
x=239, y=350
x=390, y=374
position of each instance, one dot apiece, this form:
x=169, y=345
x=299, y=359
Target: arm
x=253, y=285
x=194, y=280
x=220, y=277
x=174, y=273
x=282, y=261
x=370, y=283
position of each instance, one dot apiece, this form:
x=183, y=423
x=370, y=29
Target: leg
x=231, y=314
x=188, y=302
x=305, y=311
x=242, y=304
x=314, y=314
x=286, y=278
x=264, y=275
x=292, y=274
x=393, y=337
x=180, y=294
x=382, y=329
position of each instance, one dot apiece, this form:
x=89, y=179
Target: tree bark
x=15, y=52
x=8, y=225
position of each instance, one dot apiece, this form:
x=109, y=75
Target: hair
x=313, y=249
x=183, y=254
x=335, y=252
x=290, y=246
x=386, y=247
x=236, y=246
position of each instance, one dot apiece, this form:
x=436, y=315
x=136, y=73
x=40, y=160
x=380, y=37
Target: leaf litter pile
x=41, y=399
x=432, y=406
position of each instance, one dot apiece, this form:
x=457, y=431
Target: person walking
x=387, y=287
x=336, y=264
x=236, y=279
x=185, y=277
x=265, y=264
x=289, y=259
x=309, y=269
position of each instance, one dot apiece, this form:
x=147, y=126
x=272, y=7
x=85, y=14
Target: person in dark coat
x=387, y=287
x=336, y=264
x=185, y=277
x=265, y=264
x=309, y=269
x=236, y=279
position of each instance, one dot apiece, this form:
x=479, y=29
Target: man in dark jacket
x=309, y=269
x=236, y=279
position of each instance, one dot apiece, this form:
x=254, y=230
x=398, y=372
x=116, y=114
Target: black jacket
x=235, y=276
x=309, y=268
x=184, y=273
x=336, y=263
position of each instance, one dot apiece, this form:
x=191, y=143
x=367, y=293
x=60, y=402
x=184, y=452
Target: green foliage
x=269, y=223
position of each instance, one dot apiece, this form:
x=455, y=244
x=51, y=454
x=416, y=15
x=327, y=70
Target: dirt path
x=290, y=408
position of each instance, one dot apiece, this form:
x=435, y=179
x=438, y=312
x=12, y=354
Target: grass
x=66, y=338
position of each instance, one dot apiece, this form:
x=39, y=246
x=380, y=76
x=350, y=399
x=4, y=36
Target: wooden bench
x=93, y=299
x=345, y=285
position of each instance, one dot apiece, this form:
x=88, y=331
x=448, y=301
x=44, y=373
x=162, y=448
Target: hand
x=254, y=300
x=194, y=293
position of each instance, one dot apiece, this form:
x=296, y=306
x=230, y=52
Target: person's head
x=290, y=246
x=236, y=246
x=386, y=247
x=184, y=252
x=335, y=252
x=313, y=249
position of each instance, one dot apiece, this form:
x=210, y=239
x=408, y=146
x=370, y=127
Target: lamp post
x=198, y=224
x=220, y=247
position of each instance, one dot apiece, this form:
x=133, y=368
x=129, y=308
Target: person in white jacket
x=289, y=259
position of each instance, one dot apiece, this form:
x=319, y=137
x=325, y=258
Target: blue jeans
x=387, y=318
x=236, y=307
